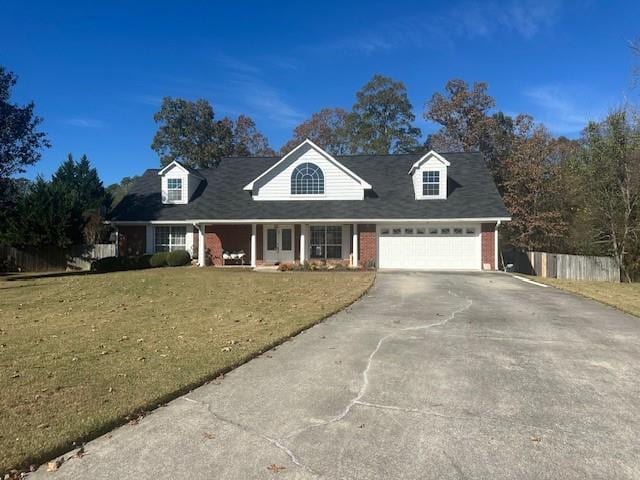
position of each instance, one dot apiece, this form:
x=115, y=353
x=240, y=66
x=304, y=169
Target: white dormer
x=179, y=183
x=308, y=173
x=429, y=175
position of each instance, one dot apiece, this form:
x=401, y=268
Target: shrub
x=286, y=267
x=159, y=259
x=178, y=258
x=115, y=264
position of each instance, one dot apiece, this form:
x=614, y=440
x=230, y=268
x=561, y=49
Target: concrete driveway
x=429, y=376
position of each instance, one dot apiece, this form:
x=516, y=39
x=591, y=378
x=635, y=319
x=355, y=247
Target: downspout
x=495, y=241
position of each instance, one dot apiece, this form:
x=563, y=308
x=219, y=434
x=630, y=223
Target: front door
x=278, y=244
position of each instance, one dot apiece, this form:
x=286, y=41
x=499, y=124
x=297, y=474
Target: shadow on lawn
x=14, y=277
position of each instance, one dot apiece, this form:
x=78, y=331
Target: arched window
x=307, y=179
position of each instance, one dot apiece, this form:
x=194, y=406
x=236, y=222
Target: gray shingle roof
x=471, y=193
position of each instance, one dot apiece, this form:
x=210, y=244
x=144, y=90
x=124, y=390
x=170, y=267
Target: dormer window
x=307, y=179
x=431, y=183
x=429, y=177
x=179, y=183
x=174, y=189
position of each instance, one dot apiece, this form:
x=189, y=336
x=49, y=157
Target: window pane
x=397, y=231
x=307, y=179
x=433, y=231
x=471, y=231
x=431, y=183
x=420, y=231
x=457, y=231
x=286, y=239
x=317, y=235
x=384, y=231
x=178, y=238
x=317, y=251
x=334, y=251
x=272, y=238
x=174, y=189
x=445, y=231
x=162, y=239
x=334, y=235
x=431, y=189
x=408, y=231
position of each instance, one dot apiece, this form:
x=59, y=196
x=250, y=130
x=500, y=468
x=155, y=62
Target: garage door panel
x=442, y=251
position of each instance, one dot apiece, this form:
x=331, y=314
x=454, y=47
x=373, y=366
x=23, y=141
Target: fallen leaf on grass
x=209, y=435
x=536, y=439
x=276, y=468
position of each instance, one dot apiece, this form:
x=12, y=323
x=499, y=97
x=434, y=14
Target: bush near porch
x=80, y=354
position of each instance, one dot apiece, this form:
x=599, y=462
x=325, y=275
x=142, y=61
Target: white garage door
x=430, y=247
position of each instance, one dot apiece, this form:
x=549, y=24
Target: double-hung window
x=174, y=189
x=169, y=239
x=326, y=241
x=431, y=183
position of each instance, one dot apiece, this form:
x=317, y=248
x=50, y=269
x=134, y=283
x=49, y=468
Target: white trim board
x=311, y=220
x=325, y=154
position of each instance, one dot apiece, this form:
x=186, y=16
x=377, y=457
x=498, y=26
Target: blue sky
x=98, y=70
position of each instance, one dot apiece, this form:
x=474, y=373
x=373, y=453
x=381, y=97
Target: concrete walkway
x=429, y=376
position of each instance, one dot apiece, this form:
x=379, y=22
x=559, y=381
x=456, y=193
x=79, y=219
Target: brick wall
x=368, y=245
x=487, y=237
x=226, y=237
x=132, y=240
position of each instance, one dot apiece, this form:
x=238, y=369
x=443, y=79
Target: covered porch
x=278, y=243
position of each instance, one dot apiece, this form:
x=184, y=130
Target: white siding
x=433, y=164
x=190, y=184
x=338, y=185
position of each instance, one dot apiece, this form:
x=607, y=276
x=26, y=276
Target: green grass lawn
x=623, y=296
x=81, y=354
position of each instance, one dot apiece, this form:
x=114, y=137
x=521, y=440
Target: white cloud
x=565, y=109
x=468, y=20
x=84, y=122
x=245, y=90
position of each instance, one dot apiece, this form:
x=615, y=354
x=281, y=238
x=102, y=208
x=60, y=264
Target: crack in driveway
x=273, y=441
x=357, y=400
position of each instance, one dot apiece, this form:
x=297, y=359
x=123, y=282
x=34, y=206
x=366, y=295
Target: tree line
x=565, y=195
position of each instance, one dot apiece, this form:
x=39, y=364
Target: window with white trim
x=431, y=183
x=307, y=179
x=174, y=189
x=168, y=239
x=326, y=241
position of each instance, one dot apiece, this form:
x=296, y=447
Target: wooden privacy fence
x=563, y=266
x=47, y=259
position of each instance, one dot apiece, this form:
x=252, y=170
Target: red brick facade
x=487, y=237
x=132, y=240
x=368, y=245
x=226, y=237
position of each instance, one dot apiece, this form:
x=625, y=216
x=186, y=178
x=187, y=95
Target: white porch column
x=302, y=244
x=253, y=245
x=495, y=246
x=202, y=261
x=354, y=252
